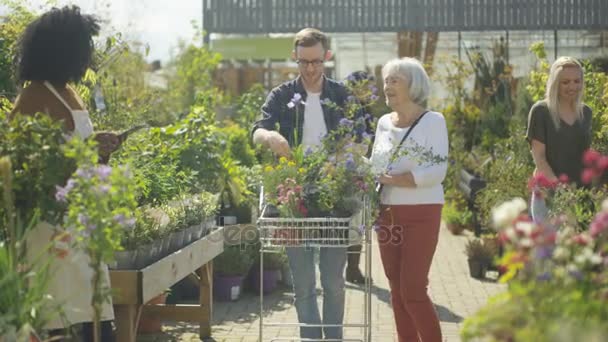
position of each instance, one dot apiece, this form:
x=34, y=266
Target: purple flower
x=103, y=189
x=366, y=135
x=373, y=88
x=308, y=152
x=576, y=274
x=346, y=122
x=90, y=228
x=544, y=252
x=351, y=98
x=351, y=78
x=295, y=100
x=86, y=174
x=545, y=276
x=103, y=172
x=122, y=220
x=350, y=164
x=374, y=97
x=70, y=185
x=61, y=194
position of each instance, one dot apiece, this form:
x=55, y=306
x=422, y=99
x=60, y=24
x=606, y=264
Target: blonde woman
x=559, y=129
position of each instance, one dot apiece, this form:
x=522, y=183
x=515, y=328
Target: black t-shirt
x=564, y=147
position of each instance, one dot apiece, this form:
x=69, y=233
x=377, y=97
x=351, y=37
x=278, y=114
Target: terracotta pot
x=455, y=228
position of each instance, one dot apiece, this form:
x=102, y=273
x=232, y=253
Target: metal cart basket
x=311, y=232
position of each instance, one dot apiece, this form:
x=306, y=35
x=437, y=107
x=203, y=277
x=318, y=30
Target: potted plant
x=456, y=219
x=479, y=257
x=492, y=243
x=271, y=273
x=230, y=269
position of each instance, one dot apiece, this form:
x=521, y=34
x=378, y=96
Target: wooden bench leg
x=205, y=274
x=126, y=319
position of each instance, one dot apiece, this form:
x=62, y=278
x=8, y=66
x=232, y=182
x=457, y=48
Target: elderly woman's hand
x=405, y=180
x=108, y=142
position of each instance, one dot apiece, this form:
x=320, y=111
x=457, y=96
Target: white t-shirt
x=314, y=123
x=424, y=154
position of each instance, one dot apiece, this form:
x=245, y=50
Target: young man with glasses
x=311, y=50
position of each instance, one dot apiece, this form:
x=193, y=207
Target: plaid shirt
x=276, y=112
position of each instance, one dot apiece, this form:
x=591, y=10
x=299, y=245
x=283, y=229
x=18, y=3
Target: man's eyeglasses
x=315, y=63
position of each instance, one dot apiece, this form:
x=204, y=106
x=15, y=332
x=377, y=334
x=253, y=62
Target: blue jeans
x=538, y=208
x=331, y=265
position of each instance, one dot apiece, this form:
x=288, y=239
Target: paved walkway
x=455, y=294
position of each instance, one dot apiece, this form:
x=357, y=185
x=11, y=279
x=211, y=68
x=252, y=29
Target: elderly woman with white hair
x=410, y=154
x=559, y=129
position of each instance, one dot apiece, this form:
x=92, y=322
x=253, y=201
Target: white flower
x=561, y=253
x=525, y=242
x=595, y=259
x=504, y=214
x=587, y=255
x=572, y=268
x=525, y=227
x=511, y=234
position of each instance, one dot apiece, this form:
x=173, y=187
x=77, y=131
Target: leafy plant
x=35, y=146
x=275, y=260
x=454, y=215
x=24, y=304
x=100, y=206
x=476, y=250
x=249, y=104
x=234, y=261
x=19, y=16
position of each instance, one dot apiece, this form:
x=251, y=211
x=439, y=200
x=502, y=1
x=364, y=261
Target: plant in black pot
x=230, y=269
x=479, y=257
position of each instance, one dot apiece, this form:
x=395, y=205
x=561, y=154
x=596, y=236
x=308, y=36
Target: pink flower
x=581, y=239
x=590, y=157
x=599, y=224
x=588, y=175
x=563, y=178
x=602, y=164
x=539, y=180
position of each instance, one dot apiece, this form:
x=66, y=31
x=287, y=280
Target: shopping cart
x=276, y=233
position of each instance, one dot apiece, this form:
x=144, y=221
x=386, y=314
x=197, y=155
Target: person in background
x=359, y=83
x=55, y=50
x=559, y=130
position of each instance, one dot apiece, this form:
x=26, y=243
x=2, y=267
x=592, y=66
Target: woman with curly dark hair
x=55, y=50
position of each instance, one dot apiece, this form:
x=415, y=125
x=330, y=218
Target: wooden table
x=133, y=288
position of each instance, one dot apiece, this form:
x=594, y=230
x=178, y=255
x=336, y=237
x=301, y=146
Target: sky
x=159, y=23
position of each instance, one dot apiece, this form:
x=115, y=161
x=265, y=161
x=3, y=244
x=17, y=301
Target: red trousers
x=407, y=236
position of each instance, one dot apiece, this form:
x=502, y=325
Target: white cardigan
x=424, y=154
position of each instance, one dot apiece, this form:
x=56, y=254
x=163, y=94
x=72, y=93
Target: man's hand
x=278, y=144
x=273, y=140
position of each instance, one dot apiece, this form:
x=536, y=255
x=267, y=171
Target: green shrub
x=35, y=147
x=236, y=260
